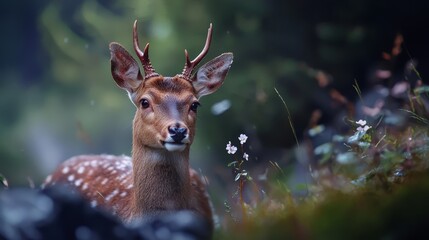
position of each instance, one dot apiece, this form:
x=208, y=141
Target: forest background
x=57, y=97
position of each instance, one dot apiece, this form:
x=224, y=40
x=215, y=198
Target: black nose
x=177, y=133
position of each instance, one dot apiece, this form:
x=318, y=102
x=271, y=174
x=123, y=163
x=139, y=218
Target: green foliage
x=362, y=180
x=387, y=199
x=363, y=214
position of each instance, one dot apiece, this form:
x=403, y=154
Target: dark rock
x=58, y=213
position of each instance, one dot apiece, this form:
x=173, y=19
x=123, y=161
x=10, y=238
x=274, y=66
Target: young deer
x=157, y=178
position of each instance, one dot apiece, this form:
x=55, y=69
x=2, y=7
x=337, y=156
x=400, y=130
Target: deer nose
x=177, y=133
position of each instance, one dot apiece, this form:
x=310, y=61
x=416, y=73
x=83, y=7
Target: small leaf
x=363, y=145
x=360, y=181
x=316, y=130
x=323, y=149
x=356, y=137
x=420, y=90
x=237, y=177
x=232, y=163
x=366, y=138
x=346, y=158
x=301, y=186
x=338, y=138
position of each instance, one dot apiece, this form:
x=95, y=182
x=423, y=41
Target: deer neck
x=161, y=180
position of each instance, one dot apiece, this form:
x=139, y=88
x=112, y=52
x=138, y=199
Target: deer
x=157, y=178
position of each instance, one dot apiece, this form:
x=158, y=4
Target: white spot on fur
x=65, y=170
x=90, y=172
x=85, y=186
x=94, y=163
x=70, y=178
x=93, y=203
x=104, y=181
x=112, y=194
x=123, y=194
x=78, y=182
x=130, y=186
x=120, y=167
x=81, y=169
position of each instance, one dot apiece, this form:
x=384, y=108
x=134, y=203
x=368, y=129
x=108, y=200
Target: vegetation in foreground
x=370, y=179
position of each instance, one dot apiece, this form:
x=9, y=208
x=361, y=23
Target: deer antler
x=149, y=71
x=190, y=65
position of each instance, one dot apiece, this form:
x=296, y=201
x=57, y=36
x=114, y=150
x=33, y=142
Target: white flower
x=363, y=129
x=361, y=122
x=242, y=138
x=230, y=148
x=246, y=156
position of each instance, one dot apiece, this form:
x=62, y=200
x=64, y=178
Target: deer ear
x=211, y=75
x=125, y=70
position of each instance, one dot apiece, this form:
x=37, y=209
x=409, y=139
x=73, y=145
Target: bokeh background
x=57, y=97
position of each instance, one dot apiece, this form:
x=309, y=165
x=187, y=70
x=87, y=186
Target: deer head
x=166, y=106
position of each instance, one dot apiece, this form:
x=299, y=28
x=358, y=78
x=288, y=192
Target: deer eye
x=145, y=103
x=194, y=106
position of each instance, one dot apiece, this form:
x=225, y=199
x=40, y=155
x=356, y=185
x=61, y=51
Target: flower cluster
x=237, y=164
x=362, y=126
x=242, y=138
x=231, y=148
x=361, y=137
